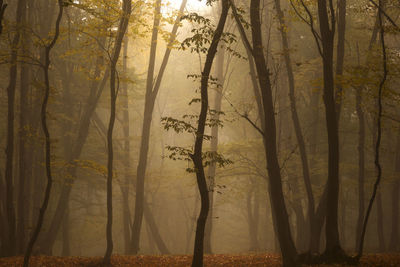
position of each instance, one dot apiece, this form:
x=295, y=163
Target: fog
x=158, y=94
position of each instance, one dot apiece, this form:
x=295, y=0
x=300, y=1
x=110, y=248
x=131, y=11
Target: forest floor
x=370, y=260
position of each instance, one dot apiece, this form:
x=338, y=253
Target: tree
x=152, y=89
x=9, y=177
x=379, y=130
x=123, y=25
x=197, y=156
x=43, y=116
x=282, y=226
x=295, y=118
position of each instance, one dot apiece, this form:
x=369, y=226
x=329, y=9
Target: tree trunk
x=148, y=215
x=162, y=247
x=66, y=247
x=24, y=161
x=289, y=253
x=214, y=147
x=394, y=236
x=96, y=90
x=123, y=25
x=327, y=30
x=197, y=155
x=341, y=24
x=379, y=223
x=9, y=177
x=361, y=164
x=43, y=116
x=151, y=94
x=295, y=117
x=126, y=151
x=144, y=145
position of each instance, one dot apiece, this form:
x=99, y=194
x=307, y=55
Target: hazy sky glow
x=192, y=5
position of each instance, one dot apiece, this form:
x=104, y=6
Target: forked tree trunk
x=198, y=146
x=144, y=144
x=152, y=89
x=289, y=253
x=327, y=30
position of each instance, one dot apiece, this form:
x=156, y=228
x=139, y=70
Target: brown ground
x=382, y=260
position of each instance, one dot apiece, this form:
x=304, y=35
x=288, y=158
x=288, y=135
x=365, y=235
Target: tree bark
x=198, y=146
x=123, y=25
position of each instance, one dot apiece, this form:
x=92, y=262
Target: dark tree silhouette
x=43, y=116
x=197, y=155
x=123, y=25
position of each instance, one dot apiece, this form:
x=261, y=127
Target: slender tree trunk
x=341, y=24
x=9, y=177
x=162, y=247
x=295, y=117
x=394, y=236
x=197, y=155
x=3, y=221
x=126, y=150
x=144, y=145
x=253, y=217
x=361, y=165
x=148, y=215
x=379, y=132
x=289, y=253
x=123, y=25
x=327, y=30
x=23, y=162
x=214, y=147
x=379, y=223
x=43, y=116
x=66, y=247
x=151, y=94
x=96, y=90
